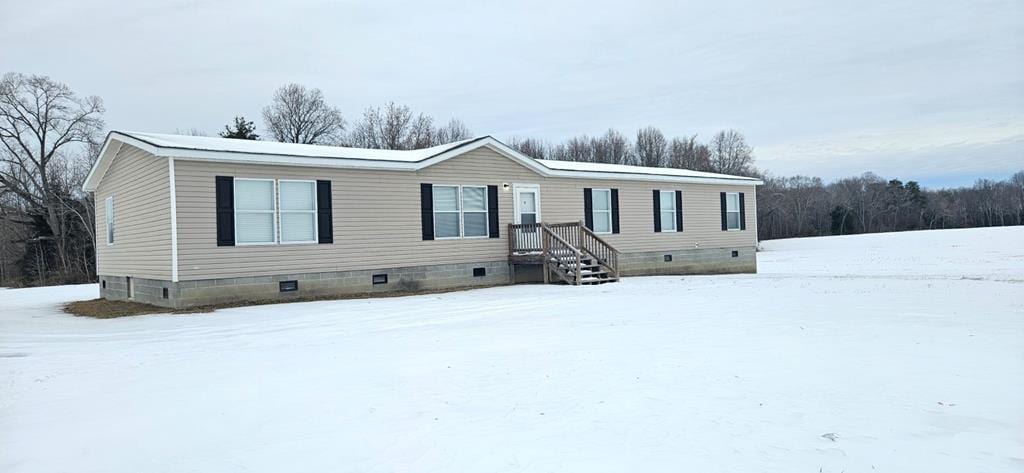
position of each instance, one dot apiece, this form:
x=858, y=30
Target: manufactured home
x=185, y=221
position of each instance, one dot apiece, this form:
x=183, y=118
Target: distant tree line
x=727, y=152
x=801, y=206
x=50, y=137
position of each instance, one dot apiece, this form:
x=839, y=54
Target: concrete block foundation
x=409, y=279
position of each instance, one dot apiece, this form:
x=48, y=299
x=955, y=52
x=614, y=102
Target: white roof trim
x=116, y=139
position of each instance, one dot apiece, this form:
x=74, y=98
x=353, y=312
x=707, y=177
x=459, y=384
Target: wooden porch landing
x=569, y=251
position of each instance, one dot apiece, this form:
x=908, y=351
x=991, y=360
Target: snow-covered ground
x=908, y=347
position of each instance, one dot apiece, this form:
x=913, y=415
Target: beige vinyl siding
x=376, y=216
x=140, y=185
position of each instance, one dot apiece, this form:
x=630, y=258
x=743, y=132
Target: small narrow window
x=602, y=210
x=479, y=272
x=298, y=211
x=380, y=279
x=103, y=283
x=735, y=254
x=255, y=212
x=109, y=211
x=167, y=293
x=732, y=211
x=668, y=258
x=668, y=211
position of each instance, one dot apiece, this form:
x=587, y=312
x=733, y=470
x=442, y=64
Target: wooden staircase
x=569, y=252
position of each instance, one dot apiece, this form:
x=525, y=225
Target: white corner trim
x=174, y=222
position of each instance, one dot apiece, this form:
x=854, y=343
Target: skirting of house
x=416, y=278
x=691, y=261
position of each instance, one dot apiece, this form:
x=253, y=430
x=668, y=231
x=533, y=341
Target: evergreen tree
x=243, y=130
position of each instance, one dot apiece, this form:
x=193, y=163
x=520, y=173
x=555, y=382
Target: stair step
x=593, y=280
x=582, y=266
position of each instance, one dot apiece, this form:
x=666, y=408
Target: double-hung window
x=667, y=210
x=474, y=211
x=732, y=210
x=255, y=212
x=460, y=211
x=109, y=212
x=298, y=211
x=602, y=210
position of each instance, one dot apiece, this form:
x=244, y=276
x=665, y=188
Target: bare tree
x=41, y=123
x=651, y=148
x=730, y=153
x=301, y=115
x=190, y=132
x=687, y=153
x=612, y=148
x=531, y=147
x=453, y=131
x=578, y=148
x=394, y=126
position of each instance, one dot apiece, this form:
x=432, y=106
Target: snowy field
x=908, y=347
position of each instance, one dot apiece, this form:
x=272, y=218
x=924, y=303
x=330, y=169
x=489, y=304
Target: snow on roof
x=206, y=143
x=292, y=154
x=627, y=169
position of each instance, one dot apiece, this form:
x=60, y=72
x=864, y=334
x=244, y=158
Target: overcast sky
x=927, y=90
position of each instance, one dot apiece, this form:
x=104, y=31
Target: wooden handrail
x=555, y=243
x=550, y=234
x=599, y=239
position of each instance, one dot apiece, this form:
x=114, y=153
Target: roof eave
x=115, y=139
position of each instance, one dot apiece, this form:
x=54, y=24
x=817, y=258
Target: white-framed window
x=446, y=212
x=732, y=210
x=460, y=212
x=255, y=211
x=668, y=211
x=601, y=208
x=108, y=211
x=474, y=212
x=297, y=211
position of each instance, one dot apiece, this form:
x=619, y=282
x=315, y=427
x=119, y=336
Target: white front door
x=527, y=198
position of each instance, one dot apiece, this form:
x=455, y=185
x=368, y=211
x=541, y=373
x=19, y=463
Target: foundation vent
x=288, y=286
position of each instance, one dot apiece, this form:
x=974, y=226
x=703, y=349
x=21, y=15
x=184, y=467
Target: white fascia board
x=545, y=171
x=276, y=160
x=110, y=149
x=619, y=176
x=499, y=147
x=387, y=165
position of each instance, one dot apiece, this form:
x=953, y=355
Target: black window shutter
x=225, y=196
x=725, y=223
x=679, y=211
x=657, y=211
x=588, y=208
x=427, y=210
x=324, y=213
x=492, y=212
x=743, y=214
x=615, y=211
